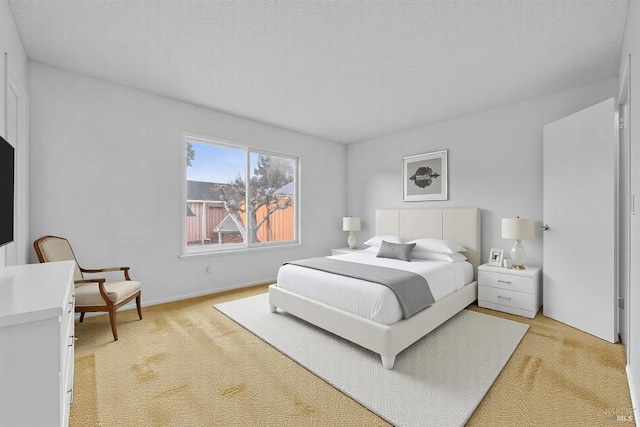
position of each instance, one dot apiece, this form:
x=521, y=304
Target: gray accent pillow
x=401, y=251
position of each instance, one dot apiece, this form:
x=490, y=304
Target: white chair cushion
x=89, y=294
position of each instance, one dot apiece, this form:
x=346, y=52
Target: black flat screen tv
x=7, y=179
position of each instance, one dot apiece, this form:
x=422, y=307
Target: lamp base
x=351, y=240
x=518, y=255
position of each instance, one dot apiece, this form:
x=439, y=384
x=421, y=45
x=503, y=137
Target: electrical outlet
x=207, y=269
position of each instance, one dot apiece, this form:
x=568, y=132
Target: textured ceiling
x=341, y=70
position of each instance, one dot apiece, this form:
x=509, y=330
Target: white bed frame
x=461, y=225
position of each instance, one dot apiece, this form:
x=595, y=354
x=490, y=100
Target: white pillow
x=434, y=256
x=377, y=240
x=438, y=246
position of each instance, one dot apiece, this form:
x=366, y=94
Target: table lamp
x=351, y=224
x=518, y=229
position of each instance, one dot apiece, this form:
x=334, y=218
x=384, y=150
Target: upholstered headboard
x=461, y=225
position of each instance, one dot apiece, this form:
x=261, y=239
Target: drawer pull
x=70, y=391
x=71, y=341
x=507, y=298
x=70, y=307
x=504, y=281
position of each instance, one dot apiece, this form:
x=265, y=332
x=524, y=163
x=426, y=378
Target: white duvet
x=371, y=300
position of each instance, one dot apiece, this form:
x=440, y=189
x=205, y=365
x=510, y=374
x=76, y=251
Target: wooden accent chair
x=92, y=295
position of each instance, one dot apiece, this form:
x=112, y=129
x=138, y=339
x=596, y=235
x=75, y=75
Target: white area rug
x=438, y=381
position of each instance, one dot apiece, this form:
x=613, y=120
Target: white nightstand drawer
x=504, y=297
x=506, y=281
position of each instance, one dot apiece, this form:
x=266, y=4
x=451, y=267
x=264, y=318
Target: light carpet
x=439, y=380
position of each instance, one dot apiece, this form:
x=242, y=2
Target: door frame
x=21, y=210
x=624, y=204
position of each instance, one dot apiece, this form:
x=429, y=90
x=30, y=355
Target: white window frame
x=189, y=251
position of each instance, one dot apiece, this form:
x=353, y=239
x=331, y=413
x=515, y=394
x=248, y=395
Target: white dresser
x=509, y=290
x=36, y=344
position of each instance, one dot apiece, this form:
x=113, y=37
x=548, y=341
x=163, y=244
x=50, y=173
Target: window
x=227, y=211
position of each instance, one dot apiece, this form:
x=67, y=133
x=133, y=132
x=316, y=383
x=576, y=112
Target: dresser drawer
x=506, y=281
x=68, y=312
x=67, y=344
x=504, y=297
x=67, y=331
x=67, y=393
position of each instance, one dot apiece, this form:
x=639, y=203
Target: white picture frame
x=495, y=257
x=425, y=177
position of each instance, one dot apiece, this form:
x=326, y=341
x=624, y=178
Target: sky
x=220, y=164
x=216, y=164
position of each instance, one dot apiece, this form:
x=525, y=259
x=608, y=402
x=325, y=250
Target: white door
x=579, y=170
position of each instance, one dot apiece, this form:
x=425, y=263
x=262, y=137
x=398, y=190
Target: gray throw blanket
x=411, y=289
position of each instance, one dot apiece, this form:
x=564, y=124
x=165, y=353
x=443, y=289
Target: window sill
x=243, y=250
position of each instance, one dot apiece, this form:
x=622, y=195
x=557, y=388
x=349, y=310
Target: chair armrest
x=85, y=281
x=103, y=270
x=100, y=281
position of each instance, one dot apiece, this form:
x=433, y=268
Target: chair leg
x=81, y=317
x=112, y=319
x=138, y=307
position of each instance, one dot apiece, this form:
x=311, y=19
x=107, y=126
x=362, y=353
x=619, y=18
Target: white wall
x=10, y=43
x=632, y=47
x=106, y=173
x=495, y=163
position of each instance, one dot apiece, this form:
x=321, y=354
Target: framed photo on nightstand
x=495, y=257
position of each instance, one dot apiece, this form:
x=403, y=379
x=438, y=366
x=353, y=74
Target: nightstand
x=341, y=251
x=512, y=291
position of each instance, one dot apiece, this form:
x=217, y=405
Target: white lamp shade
x=351, y=223
x=518, y=228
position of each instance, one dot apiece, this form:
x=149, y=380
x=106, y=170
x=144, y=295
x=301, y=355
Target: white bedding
x=371, y=300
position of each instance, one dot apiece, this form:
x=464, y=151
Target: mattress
x=371, y=300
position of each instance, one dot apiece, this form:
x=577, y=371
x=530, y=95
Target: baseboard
x=634, y=395
x=132, y=305
x=201, y=294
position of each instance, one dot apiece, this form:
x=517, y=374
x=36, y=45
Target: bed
x=461, y=225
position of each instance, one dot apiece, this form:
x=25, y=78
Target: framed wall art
x=425, y=177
